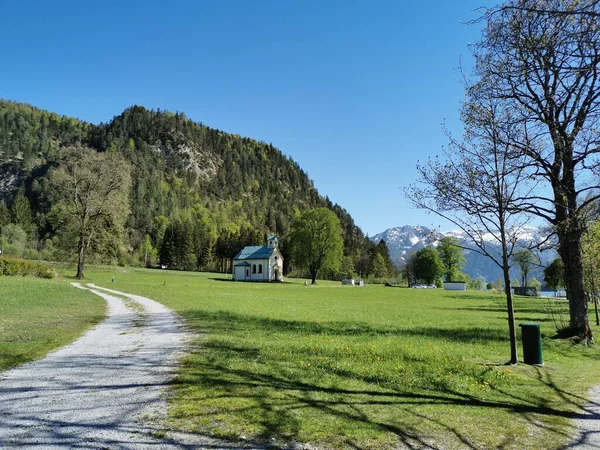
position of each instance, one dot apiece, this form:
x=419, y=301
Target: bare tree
x=89, y=192
x=477, y=187
x=541, y=60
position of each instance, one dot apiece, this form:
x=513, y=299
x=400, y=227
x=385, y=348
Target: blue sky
x=355, y=91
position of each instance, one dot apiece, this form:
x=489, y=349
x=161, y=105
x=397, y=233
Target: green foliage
x=524, y=260
x=380, y=269
x=21, y=212
x=15, y=266
x=591, y=255
x=477, y=284
x=230, y=188
x=427, y=265
x=317, y=242
x=90, y=205
x=452, y=258
x=554, y=274
x=4, y=215
x=535, y=283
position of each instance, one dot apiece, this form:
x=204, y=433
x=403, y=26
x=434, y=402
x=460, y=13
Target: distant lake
x=561, y=294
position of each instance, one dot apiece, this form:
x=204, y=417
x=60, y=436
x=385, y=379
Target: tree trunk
x=80, y=255
x=313, y=274
x=570, y=251
x=511, y=316
x=596, y=309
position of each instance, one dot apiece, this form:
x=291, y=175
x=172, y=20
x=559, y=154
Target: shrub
x=16, y=266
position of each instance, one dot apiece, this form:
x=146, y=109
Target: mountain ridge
x=403, y=240
x=181, y=170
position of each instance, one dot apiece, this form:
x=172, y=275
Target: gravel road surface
x=106, y=390
x=588, y=434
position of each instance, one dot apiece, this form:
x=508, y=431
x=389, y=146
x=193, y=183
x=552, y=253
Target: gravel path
x=106, y=390
x=588, y=428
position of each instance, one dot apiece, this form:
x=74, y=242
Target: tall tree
x=427, y=265
x=591, y=256
x=554, y=274
x=21, y=212
x=451, y=255
x=316, y=239
x=478, y=187
x=89, y=200
x=4, y=220
x=541, y=60
x=524, y=260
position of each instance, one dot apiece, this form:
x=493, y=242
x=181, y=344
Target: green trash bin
x=532, y=344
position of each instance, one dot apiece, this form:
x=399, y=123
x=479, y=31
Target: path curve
x=105, y=390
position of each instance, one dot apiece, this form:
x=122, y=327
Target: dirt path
x=106, y=390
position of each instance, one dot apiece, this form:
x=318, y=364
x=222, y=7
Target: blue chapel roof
x=255, y=252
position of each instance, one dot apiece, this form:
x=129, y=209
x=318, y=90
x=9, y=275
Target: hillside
x=404, y=240
x=228, y=187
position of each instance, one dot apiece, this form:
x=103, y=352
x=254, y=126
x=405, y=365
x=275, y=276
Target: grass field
x=348, y=367
x=37, y=316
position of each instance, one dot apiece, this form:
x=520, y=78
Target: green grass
x=37, y=316
x=348, y=367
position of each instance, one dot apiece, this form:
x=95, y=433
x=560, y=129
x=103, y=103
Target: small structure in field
x=526, y=291
x=353, y=282
x=455, y=286
x=259, y=263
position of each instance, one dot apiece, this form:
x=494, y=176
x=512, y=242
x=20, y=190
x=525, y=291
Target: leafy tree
x=477, y=284
x=407, y=270
x=591, y=256
x=316, y=241
x=524, y=260
x=14, y=239
x=21, y=212
x=379, y=267
x=541, y=60
x=89, y=194
x=427, y=265
x=535, y=283
x=554, y=274
x=147, y=251
x=4, y=220
x=452, y=257
x=382, y=249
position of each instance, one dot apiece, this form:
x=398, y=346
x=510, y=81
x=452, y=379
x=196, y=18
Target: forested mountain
x=215, y=190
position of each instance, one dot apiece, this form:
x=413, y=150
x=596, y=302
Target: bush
x=16, y=266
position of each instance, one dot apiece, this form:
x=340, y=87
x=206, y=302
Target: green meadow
x=372, y=367
x=37, y=316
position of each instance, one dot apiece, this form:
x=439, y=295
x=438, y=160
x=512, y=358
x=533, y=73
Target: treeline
x=197, y=195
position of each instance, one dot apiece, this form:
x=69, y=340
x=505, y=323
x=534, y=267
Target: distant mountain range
x=404, y=240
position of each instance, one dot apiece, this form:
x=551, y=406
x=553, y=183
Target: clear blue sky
x=355, y=91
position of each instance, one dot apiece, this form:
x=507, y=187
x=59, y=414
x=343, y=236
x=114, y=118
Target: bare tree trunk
x=313, y=274
x=596, y=309
x=80, y=259
x=511, y=316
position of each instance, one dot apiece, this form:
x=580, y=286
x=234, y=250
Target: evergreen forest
x=197, y=194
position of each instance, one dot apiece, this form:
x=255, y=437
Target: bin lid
x=536, y=325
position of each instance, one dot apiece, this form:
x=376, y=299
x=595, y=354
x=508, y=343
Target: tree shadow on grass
x=273, y=394
x=223, y=320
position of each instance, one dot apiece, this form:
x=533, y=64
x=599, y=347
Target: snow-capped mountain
x=404, y=240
